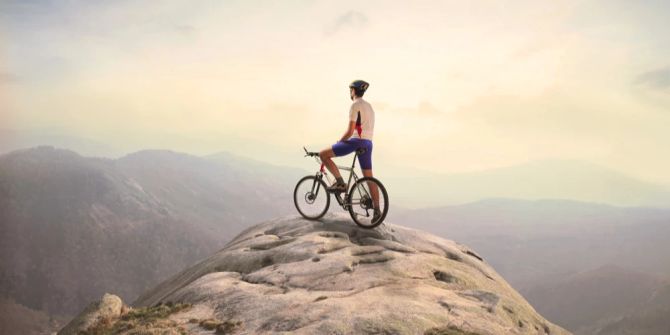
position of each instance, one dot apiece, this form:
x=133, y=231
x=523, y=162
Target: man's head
x=357, y=88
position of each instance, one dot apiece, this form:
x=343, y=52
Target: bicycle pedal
x=336, y=190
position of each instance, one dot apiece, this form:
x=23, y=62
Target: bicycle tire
x=322, y=191
x=384, y=194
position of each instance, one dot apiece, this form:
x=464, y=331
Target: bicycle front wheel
x=311, y=198
x=365, y=196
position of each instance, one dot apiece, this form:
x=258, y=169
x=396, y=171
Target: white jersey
x=361, y=112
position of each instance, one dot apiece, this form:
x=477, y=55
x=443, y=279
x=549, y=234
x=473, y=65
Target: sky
x=456, y=86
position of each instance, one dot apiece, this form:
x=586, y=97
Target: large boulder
x=332, y=277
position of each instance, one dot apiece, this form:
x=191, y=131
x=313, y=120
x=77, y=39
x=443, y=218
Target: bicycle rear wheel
x=362, y=204
x=311, y=198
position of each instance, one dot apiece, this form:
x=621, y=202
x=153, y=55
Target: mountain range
x=535, y=180
x=74, y=227
x=607, y=300
x=415, y=186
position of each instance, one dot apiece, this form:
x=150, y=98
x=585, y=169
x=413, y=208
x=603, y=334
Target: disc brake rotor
x=309, y=198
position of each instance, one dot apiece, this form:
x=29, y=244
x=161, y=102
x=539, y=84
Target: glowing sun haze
x=456, y=85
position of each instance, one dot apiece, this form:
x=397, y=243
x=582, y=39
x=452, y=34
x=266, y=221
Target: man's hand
x=349, y=132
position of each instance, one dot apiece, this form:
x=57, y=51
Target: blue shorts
x=346, y=147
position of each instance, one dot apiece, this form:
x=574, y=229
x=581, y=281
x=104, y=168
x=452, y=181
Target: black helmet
x=360, y=86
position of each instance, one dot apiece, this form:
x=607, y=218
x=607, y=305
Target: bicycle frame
x=343, y=202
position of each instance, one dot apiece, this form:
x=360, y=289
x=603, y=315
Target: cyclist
x=358, y=135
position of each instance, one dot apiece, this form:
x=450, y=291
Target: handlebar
x=310, y=154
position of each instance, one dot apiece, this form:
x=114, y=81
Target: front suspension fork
x=316, y=185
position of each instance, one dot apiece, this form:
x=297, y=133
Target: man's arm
x=350, y=131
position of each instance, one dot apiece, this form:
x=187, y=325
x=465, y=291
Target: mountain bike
x=312, y=199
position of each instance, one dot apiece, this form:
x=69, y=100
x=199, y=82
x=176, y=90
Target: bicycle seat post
x=353, y=164
x=358, y=152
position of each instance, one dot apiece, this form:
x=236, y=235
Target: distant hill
x=18, y=319
x=544, y=179
x=579, y=301
x=414, y=187
x=551, y=238
x=74, y=227
x=650, y=319
x=12, y=140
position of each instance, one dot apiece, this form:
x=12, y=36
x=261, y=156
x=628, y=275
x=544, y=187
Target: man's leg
x=373, y=188
x=326, y=157
x=365, y=161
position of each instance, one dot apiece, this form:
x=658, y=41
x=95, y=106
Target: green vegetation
x=448, y=330
x=225, y=327
x=144, y=320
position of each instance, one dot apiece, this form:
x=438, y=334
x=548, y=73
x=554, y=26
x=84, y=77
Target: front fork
x=316, y=185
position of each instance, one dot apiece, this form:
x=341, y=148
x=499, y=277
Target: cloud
x=353, y=19
x=657, y=79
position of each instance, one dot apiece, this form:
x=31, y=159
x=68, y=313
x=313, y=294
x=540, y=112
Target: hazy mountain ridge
x=15, y=140
x=576, y=236
x=599, y=294
x=542, y=179
x=608, y=300
x=75, y=227
x=414, y=187
x=18, y=319
x=651, y=319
